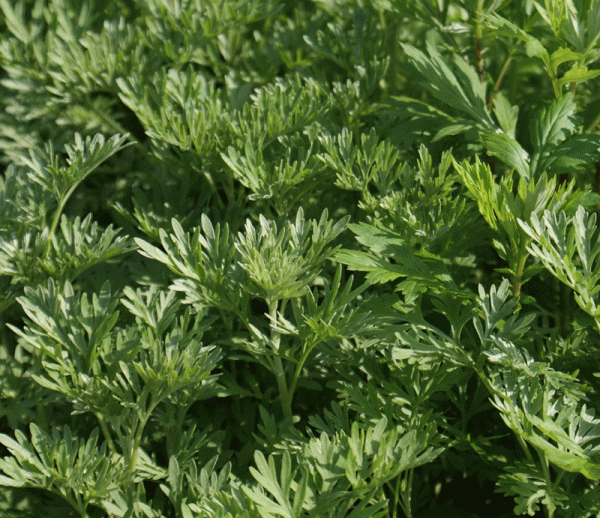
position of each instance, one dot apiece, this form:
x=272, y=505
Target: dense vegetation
x=274, y=258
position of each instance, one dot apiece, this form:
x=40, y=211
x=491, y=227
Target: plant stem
x=491, y=390
x=286, y=404
x=136, y=442
x=279, y=370
x=478, y=53
x=395, y=503
x=597, y=181
x=549, y=511
x=407, y=493
x=519, y=271
x=555, y=88
x=42, y=419
x=496, y=88
x=106, y=433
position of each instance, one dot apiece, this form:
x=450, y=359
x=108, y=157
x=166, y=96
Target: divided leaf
x=78, y=470
x=459, y=87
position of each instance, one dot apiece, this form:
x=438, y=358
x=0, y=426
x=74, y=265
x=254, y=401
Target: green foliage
x=564, y=245
x=339, y=473
x=282, y=263
x=75, y=469
x=556, y=147
x=299, y=259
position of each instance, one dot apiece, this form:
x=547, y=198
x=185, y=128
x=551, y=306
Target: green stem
x=42, y=420
x=58, y=212
x=478, y=53
x=555, y=87
x=106, y=433
x=136, y=442
x=407, y=493
x=131, y=454
x=298, y=370
x=546, y=468
x=284, y=395
x=544, y=458
x=278, y=368
x=517, y=283
x=491, y=390
x=396, y=493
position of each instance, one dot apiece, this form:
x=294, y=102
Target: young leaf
x=203, y=261
x=283, y=262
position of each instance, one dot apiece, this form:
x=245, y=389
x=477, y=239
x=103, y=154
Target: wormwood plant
x=299, y=259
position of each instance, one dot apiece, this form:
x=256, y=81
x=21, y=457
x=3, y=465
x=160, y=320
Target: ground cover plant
x=269, y=258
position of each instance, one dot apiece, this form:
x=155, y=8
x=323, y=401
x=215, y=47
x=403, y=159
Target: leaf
x=553, y=124
x=506, y=114
x=82, y=158
x=549, y=127
x=154, y=307
x=67, y=329
x=574, y=153
x=534, y=48
x=78, y=470
x=566, y=460
x=86, y=155
x=15, y=22
x=81, y=245
x=566, y=248
x=523, y=481
x=202, y=261
x=381, y=270
x=460, y=89
x=509, y=151
x=283, y=261
x=479, y=181
x=266, y=475
x=562, y=55
x=577, y=75
x=174, y=473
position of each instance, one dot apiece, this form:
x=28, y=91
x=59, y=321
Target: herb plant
x=262, y=258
